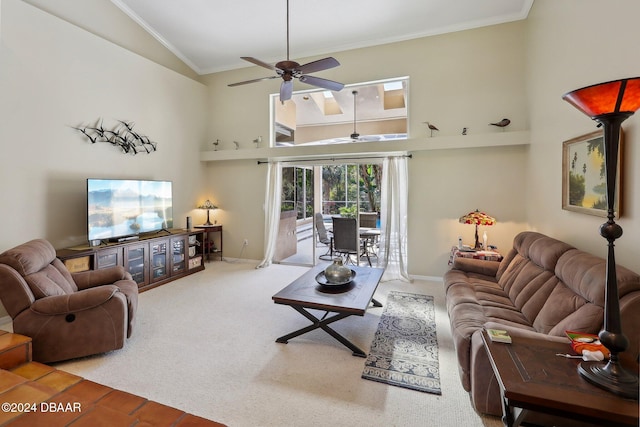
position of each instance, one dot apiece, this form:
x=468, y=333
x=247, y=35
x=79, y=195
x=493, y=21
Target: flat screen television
x=122, y=207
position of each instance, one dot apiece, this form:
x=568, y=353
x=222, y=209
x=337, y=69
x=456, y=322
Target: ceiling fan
x=289, y=70
x=355, y=136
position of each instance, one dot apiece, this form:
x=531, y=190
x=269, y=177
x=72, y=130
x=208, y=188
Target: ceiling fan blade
x=319, y=65
x=258, y=62
x=323, y=83
x=286, y=89
x=252, y=81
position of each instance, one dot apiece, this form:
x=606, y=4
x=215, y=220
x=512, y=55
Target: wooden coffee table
x=353, y=299
x=531, y=377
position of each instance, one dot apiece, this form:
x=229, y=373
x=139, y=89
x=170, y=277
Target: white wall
x=465, y=79
x=53, y=76
x=571, y=44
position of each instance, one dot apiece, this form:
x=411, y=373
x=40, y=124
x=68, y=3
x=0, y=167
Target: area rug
x=404, y=351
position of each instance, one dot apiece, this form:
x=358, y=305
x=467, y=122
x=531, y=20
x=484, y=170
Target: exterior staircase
x=33, y=394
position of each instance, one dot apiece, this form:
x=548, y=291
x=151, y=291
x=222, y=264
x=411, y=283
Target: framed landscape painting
x=584, y=186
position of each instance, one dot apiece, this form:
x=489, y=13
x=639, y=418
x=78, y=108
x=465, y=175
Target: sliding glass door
x=348, y=190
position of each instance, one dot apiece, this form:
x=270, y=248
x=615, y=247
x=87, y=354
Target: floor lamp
x=610, y=104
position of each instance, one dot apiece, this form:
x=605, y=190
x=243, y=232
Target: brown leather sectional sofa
x=542, y=288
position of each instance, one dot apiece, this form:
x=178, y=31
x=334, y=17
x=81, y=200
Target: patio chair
x=324, y=238
x=368, y=219
x=345, y=238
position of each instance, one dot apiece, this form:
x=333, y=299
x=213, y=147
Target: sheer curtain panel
x=271, y=212
x=393, y=217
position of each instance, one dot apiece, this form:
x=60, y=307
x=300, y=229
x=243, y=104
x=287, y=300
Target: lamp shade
x=207, y=205
x=477, y=218
x=618, y=96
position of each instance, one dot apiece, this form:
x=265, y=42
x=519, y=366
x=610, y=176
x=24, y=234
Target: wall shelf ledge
x=497, y=139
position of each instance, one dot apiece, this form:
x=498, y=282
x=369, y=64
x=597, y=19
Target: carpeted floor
x=206, y=344
x=404, y=351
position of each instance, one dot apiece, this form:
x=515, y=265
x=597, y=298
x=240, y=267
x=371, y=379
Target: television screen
x=118, y=207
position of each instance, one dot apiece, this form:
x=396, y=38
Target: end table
x=209, y=242
x=475, y=254
x=535, y=383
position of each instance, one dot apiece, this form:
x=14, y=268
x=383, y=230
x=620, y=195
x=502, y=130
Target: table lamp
x=478, y=218
x=610, y=104
x=208, y=206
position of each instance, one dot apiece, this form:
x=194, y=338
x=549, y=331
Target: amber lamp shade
x=610, y=104
x=619, y=96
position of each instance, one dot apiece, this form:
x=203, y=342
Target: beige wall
x=571, y=44
x=466, y=79
x=101, y=17
x=53, y=76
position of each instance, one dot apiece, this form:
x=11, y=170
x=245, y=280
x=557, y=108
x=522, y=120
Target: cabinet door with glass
x=106, y=258
x=159, y=252
x=178, y=255
x=135, y=262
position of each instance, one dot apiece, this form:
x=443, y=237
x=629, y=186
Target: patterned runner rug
x=404, y=351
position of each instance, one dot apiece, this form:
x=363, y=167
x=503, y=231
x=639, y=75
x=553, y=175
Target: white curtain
x=392, y=254
x=271, y=212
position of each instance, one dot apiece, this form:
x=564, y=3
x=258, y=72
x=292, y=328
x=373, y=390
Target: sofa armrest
x=77, y=301
x=479, y=266
x=527, y=333
x=107, y=276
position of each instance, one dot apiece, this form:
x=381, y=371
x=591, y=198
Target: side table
x=486, y=255
x=537, y=387
x=209, y=242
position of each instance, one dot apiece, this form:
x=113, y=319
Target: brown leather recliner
x=67, y=315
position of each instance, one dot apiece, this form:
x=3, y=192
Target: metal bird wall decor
x=121, y=135
x=502, y=123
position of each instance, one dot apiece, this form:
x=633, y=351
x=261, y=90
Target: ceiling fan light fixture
x=289, y=70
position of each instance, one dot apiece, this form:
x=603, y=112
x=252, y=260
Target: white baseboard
x=427, y=278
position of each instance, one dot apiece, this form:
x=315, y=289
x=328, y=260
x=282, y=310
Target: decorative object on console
x=477, y=218
x=215, y=144
x=257, y=141
x=610, y=104
x=121, y=135
x=208, y=206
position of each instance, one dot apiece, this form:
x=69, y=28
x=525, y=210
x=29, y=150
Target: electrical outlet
x=246, y=242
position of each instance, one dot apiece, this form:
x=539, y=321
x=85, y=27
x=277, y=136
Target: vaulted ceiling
x=211, y=36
